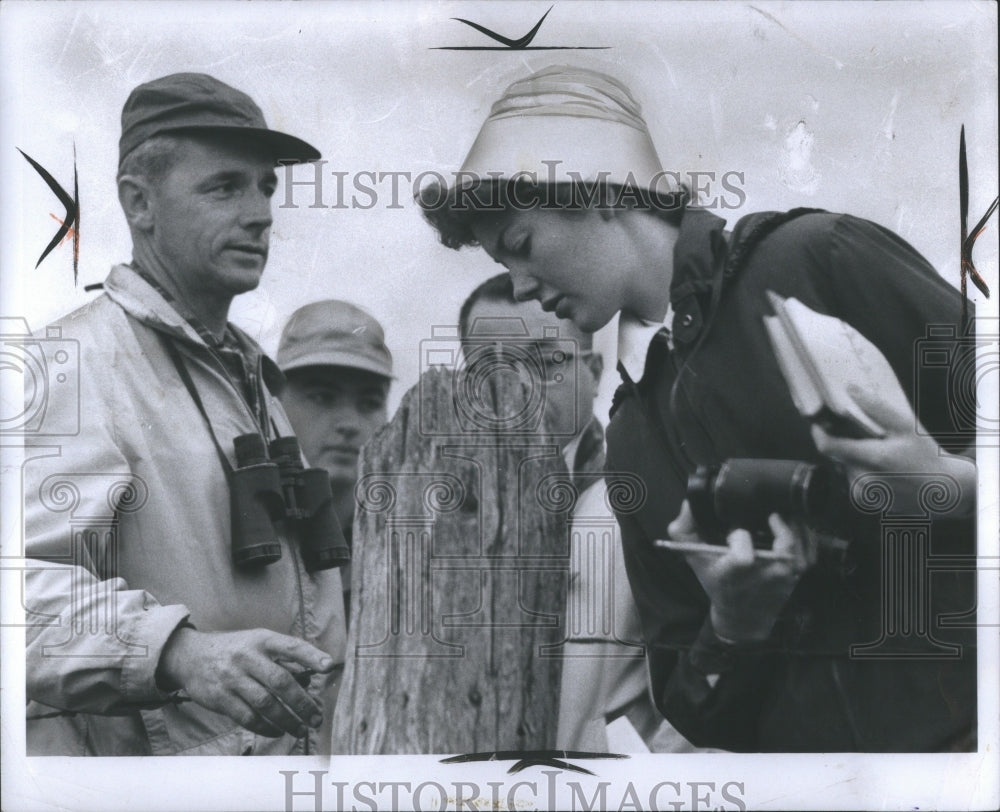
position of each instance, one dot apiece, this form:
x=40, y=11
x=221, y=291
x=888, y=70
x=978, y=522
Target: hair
x=453, y=213
x=497, y=288
x=153, y=158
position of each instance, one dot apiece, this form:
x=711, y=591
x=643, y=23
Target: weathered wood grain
x=459, y=581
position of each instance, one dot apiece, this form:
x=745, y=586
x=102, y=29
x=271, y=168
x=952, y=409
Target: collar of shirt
x=228, y=340
x=238, y=359
x=634, y=338
x=584, y=454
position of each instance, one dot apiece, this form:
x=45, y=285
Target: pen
x=715, y=549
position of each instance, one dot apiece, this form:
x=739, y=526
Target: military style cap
x=334, y=333
x=189, y=102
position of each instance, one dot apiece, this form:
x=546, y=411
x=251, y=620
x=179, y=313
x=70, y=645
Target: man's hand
x=747, y=591
x=904, y=449
x=237, y=674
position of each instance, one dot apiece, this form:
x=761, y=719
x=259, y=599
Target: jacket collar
x=144, y=303
x=700, y=245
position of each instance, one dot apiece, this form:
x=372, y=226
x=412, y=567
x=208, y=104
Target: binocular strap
x=182, y=370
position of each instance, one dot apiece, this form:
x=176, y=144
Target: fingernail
x=316, y=720
x=325, y=663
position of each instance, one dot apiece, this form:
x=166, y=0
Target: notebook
x=820, y=357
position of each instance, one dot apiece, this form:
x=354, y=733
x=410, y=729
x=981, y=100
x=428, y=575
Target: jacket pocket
x=191, y=730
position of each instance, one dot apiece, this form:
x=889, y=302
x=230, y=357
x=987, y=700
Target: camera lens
x=701, y=498
x=745, y=492
x=748, y=491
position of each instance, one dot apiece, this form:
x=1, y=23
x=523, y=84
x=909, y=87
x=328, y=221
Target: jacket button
x=687, y=320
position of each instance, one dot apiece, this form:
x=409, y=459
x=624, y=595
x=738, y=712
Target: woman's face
x=578, y=264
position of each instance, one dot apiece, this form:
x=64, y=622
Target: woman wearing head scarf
x=797, y=647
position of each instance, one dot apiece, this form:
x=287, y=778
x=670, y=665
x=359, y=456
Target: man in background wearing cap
x=747, y=651
x=337, y=369
x=604, y=700
x=152, y=630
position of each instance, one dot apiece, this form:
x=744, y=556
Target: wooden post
x=459, y=579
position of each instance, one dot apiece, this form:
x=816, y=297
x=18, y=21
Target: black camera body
x=744, y=492
x=271, y=486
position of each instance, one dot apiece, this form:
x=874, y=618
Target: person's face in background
x=335, y=411
x=554, y=355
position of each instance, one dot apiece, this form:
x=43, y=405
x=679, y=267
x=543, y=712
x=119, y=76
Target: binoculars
x=269, y=487
x=744, y=492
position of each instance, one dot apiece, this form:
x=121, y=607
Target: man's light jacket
x=127, y=532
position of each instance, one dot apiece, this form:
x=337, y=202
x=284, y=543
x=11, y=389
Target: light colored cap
x=334, y=333
x=585, y=120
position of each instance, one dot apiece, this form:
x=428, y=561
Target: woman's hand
x=747, y=590
x=906, y=448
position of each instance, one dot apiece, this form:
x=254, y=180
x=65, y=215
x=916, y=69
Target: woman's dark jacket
x=806, y=689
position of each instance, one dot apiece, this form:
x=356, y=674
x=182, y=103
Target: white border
x=892, y=173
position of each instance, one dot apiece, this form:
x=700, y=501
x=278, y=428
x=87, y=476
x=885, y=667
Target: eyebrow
x=219, y=177
x=271, y=179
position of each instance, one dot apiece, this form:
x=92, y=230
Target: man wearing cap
x=148, y=634
x=337, y=370
x=747, y=651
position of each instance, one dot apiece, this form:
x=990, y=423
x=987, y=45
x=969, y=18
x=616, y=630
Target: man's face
x=211, y=216
x=577, y=264
x=335, y=411
x=568, y=397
